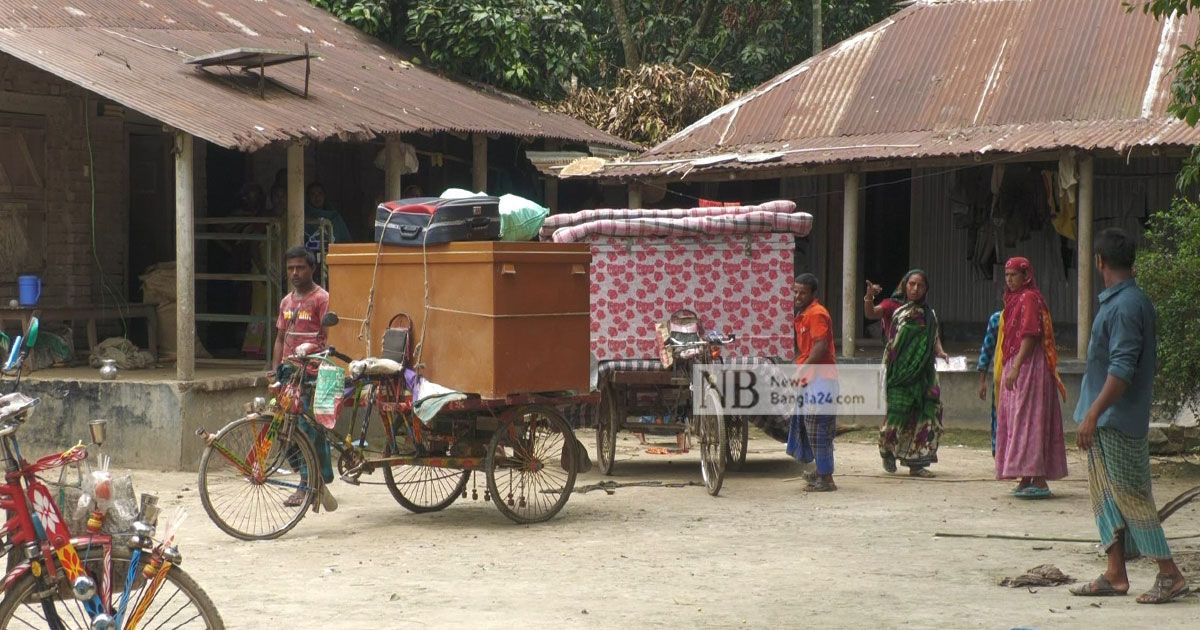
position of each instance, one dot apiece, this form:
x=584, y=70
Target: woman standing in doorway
x=1029, y=434
x=913, y=426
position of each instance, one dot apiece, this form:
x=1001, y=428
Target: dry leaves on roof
x=649, y=103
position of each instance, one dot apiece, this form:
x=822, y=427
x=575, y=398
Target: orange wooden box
x=502, y=317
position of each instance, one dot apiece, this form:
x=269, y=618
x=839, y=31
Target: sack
x=327, y=399
x=430, y=220
x=520, y=218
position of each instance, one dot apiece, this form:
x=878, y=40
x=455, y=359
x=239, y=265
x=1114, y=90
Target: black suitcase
x=431, y=220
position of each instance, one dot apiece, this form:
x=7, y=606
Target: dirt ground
x=763, y=554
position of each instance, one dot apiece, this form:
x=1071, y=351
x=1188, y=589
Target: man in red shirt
x=813, y=426
x=300, y=315
x=301, y=311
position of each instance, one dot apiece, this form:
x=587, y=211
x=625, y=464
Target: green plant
x=535, y=47
x=1165, y=271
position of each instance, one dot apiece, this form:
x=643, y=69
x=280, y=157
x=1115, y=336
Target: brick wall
x=71, y=274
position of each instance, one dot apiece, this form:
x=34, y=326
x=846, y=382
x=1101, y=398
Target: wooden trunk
x=494, y=318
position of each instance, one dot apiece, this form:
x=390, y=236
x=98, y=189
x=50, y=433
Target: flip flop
x=1034, y=492
x=1099, y=587
x=1159, y=593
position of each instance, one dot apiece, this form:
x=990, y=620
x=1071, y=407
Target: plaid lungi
x=1122, y=499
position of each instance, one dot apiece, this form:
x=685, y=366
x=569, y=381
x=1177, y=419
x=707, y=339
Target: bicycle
x=96, y=581
x=253, y=465
x=663, y=387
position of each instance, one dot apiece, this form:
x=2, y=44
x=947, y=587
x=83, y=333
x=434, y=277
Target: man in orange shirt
x=810, y=437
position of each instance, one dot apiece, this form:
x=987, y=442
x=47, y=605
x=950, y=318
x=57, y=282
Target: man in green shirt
x=1114, y=418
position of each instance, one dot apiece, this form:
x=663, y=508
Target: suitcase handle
x=478, y=223
x=409, y=231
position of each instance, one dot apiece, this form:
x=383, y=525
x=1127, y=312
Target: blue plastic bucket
x=29, y=290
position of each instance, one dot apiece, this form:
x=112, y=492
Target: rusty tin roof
x=948, y=78
x=134, y=52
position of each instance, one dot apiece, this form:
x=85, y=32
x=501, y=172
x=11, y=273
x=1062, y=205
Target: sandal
x=1099, y=587
x=1034, y=492
x=889, y=463
x=1161, y=593
x=920, y=472
x=821, y=485
x=297, y=498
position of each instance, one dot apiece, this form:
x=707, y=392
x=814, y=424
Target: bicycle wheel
x=711, y=427
x=423, y=489
x=247, y=496
x=180, y=602
x=737, y=440
x=531, y=465
x=608, y=422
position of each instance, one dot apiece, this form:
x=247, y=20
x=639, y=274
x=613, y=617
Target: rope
x=494, y=316
x=364, y=329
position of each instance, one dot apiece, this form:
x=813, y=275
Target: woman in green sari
x=914, y=408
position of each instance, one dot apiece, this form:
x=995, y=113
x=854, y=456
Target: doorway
x=885, y=237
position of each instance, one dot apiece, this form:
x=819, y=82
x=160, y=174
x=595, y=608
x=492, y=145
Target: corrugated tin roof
x=950, y=78
x=134, y=52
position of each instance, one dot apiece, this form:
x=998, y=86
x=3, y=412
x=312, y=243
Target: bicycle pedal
x=350, y=477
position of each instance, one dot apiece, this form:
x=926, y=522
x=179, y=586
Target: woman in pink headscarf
x=1029, y=434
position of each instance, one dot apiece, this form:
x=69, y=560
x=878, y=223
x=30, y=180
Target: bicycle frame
x=38, y=527
x=291, y=406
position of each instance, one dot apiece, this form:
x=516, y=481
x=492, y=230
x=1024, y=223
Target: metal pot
x=108, y=371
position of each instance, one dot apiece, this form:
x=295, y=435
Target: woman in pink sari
x=1029, y=434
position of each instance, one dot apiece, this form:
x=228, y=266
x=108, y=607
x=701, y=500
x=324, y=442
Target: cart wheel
x=737, y=440
x=608, y=421
x=247, y=499
x=711, y=427
x=423, y=489
x=531, y=465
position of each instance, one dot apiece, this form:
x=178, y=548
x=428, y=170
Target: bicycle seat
x=15, y=403
x=372, y=366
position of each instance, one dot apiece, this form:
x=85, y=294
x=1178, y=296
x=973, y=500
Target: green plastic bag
x=327, y=398
x=520, y=218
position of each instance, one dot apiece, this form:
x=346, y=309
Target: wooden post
x=635, y=195
x=1083, y=242
x=394, y=186
x=295, y=195
x=817, y=28
x=479, y=145
x=552, y=193
x=185, y=259
x=850, y=288
x=551, y=183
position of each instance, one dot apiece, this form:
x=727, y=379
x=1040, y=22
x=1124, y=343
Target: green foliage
x=534, y=47
x=549, y=49
x=1166, y=271
x=373, y=17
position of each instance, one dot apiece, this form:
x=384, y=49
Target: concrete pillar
x=851, y=295
x=394, y=186
x=295, y=196
x=1086, y=215
x=479, y=145
x=185, y=258
x=635, y=195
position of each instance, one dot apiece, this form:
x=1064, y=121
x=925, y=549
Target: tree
x=1165, y=270
x=548, y=49
x=1172, y=258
